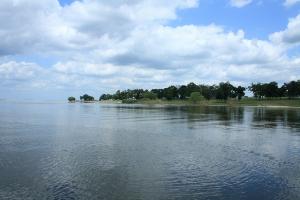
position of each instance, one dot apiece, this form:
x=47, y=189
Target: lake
x=97, y=151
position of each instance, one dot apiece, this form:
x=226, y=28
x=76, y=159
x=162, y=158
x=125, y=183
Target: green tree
x=293, y=88
x=224, y=91
x=71, y=99
x=240, y=92
x=261, y=90
x=282, y=91
x=257, y=90
x=171, y=93
x=208, y=92
x=87, y=97
x=192, y=87
x=117, y=95
x=138, y=93
x=149, y=95
x=183, y=92
x=159, y=93
x=271, y=89
x=105, y=97
x=196, y=97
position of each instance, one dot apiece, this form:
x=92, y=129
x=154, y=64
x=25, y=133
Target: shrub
x=86, y=98
x=149, y=95
x=71, y=99
x=129, y=101
x=196, y=97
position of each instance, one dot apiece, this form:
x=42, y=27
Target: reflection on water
x=92, y=151
x=277, y=117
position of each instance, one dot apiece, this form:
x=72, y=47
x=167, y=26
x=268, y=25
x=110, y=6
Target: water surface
x=92, y=151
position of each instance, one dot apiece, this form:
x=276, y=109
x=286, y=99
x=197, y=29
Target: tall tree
x=271, y=89
x=225, y=90
x=87, y=97
x=240, y=92
x=257, y=90
x=159, y=93
x=171, y=93
x=192, y=87
x=208, y=92
x=293, y=88
x=183, y=92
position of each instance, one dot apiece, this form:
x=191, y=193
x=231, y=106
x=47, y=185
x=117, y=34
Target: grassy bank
x=243, y=102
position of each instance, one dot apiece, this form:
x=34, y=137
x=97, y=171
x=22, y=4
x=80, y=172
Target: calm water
x=92, y=151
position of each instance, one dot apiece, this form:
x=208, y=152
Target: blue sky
x=52, y=49
x=258, y=20
x=65, y=2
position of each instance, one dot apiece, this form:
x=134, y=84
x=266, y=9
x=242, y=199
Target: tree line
x=84, y=97
x=222, y=91
x=269, y=90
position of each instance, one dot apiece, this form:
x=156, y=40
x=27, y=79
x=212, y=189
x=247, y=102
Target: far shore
x=249, y=102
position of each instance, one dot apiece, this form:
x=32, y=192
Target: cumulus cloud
x=289, y=36
x=32, y=25
x=119, y=17
x=29, y=26
x=239, y=3
x=107, y=45
x=18, y=71
x=289, y=3
x=22, y=74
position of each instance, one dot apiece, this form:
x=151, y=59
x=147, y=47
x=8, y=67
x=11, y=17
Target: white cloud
x=289, y=3
x=18, y=71
x=239, y=3
x=32, y=25
x=108, y=45
x=22, y=75
x=289, y=36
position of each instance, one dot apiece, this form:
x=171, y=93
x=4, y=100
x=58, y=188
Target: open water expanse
x=64, y=151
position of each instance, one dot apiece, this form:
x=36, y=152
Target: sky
x=52, y=49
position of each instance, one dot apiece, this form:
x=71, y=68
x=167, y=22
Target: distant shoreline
x=270, y=103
